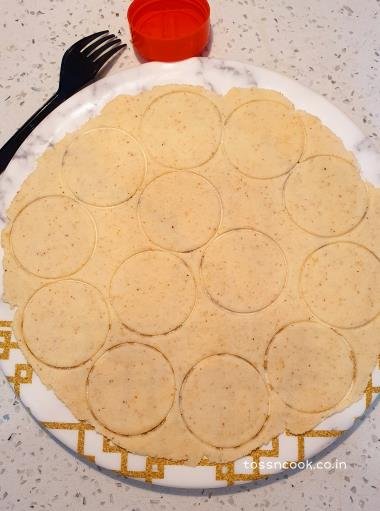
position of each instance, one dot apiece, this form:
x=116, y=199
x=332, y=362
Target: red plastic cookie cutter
x=169, y=30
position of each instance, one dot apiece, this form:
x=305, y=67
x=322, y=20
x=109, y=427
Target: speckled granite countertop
x=332, y=47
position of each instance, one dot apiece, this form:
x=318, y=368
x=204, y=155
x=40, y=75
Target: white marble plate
x=220, y=76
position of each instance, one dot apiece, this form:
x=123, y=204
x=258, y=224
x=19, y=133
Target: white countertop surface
x=331, y=47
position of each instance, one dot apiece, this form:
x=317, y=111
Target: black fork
x=80, y=64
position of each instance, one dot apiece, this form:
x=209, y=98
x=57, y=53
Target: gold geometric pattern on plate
x=155, y=467
x=23, y=374
x=315, y=433
x=6, y=343
x=371, y=390
x=80, y=427
x=226, y=471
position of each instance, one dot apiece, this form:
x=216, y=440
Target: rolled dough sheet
x=194, y=274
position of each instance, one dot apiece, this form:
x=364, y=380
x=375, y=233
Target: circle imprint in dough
x=340, y=283
x=244, y=270
x=180, y=211
x=182, y=129
x=131, y=388
x=53, y=237
x=65, y=323
x=324, y=195
x=224, y=401
x=104, y=166
x=263, y=139
x=153, y=292
x=310, y=366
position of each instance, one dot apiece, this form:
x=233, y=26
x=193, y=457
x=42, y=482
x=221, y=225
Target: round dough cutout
x=310, y=366
x=104, y=166
x=62, y=244
x=182, y=129
x=153, y=292
x=340, y=283
x=65, y=323
x=325, y=195
x=244, y=270
x=264, y=139
x=180, y=211
x=224, y=401
x=131, y=388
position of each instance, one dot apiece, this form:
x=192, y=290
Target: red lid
x=169, y=30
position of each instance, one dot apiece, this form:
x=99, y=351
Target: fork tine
x=103, y=59
x=88, y=49
x=83, y=42
x=95, y=54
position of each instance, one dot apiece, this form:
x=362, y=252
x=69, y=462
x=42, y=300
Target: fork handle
x=9, y=148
